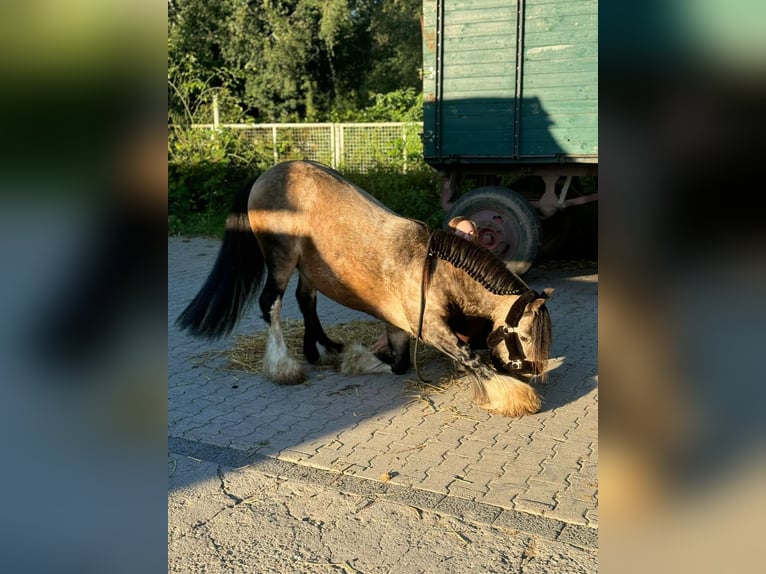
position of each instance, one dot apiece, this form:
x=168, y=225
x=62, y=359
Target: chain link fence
x=357, y=147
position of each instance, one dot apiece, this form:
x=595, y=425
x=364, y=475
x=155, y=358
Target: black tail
x=236, y=277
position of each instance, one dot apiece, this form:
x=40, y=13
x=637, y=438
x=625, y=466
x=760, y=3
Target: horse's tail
x=236, y=277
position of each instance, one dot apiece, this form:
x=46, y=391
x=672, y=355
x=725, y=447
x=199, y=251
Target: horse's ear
x=540, y=301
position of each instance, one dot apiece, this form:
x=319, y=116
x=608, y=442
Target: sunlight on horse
x=429, y=284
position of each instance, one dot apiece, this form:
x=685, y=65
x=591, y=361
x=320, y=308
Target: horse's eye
x=523, y=338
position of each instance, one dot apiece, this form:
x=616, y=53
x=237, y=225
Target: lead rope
x=425, y=279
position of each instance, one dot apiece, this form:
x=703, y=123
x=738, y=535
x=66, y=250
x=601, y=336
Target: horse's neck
x=467, y=293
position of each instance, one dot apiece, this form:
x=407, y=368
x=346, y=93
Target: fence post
x=338, y=147
x=404, y=145
x=333, y=159
x=216, y=115
x=274, y=144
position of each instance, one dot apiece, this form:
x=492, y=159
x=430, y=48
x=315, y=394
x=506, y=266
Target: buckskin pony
x=423, y=283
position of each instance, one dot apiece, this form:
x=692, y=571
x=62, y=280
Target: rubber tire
x=517, y=238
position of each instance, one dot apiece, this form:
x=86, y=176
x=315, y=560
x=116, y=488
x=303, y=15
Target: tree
x=396, y=46
x=279, y=60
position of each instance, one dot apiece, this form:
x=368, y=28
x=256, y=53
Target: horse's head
x=520, y=343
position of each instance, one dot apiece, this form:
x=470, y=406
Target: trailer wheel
x=508, y=226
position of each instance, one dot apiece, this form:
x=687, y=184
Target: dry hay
x=438, y=372
x=246, y=354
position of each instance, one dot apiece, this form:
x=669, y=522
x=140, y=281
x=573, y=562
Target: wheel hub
x=496, y=231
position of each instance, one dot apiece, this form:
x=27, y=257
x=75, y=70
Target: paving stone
x=569, y=510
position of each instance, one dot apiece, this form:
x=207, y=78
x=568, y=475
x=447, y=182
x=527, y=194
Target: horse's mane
x=480, y=263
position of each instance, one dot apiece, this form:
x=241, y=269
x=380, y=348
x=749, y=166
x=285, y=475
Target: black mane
x=480, y=263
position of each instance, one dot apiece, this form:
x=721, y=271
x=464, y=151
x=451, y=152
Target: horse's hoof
x=383, y=357
x=312, y=354
x=398, y=369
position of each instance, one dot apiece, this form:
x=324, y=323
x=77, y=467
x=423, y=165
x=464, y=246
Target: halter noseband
x=510, y=334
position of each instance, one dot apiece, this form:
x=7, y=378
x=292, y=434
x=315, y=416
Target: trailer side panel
x=510, y=82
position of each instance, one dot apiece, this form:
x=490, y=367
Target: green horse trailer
x=510, y=91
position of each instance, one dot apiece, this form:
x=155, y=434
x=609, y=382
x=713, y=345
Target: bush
x=415, y=194
x=204, y=186
x=204, y=167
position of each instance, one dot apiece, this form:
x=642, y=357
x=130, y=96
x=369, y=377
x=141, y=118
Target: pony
x=427, y=284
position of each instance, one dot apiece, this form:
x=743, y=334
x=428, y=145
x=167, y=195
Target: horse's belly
x=353, y=297
x=360, y=295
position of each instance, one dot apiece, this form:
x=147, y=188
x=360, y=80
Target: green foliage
x=396, y=46
x=204, y=166
x=290, y=60
x=204, y=224
x=202, y=187
x=402, y=105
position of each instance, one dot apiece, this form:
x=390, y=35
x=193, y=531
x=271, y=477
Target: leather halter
x=425, y=280
x=510, y=334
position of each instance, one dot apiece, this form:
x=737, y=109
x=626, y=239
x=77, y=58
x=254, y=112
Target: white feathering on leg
x=278, y=366
x=506, y=395
x=356, y=359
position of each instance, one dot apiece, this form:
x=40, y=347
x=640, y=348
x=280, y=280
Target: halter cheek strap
x=510, y=334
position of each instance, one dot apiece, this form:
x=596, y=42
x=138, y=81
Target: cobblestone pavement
x=535, y=474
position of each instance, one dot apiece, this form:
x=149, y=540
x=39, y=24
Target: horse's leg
x=278, y=365
x=313, y=332
x=492, y=390
x=397, y=354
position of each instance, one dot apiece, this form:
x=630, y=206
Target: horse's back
x=350, y=246
x=314, y=191
x=310, y=201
